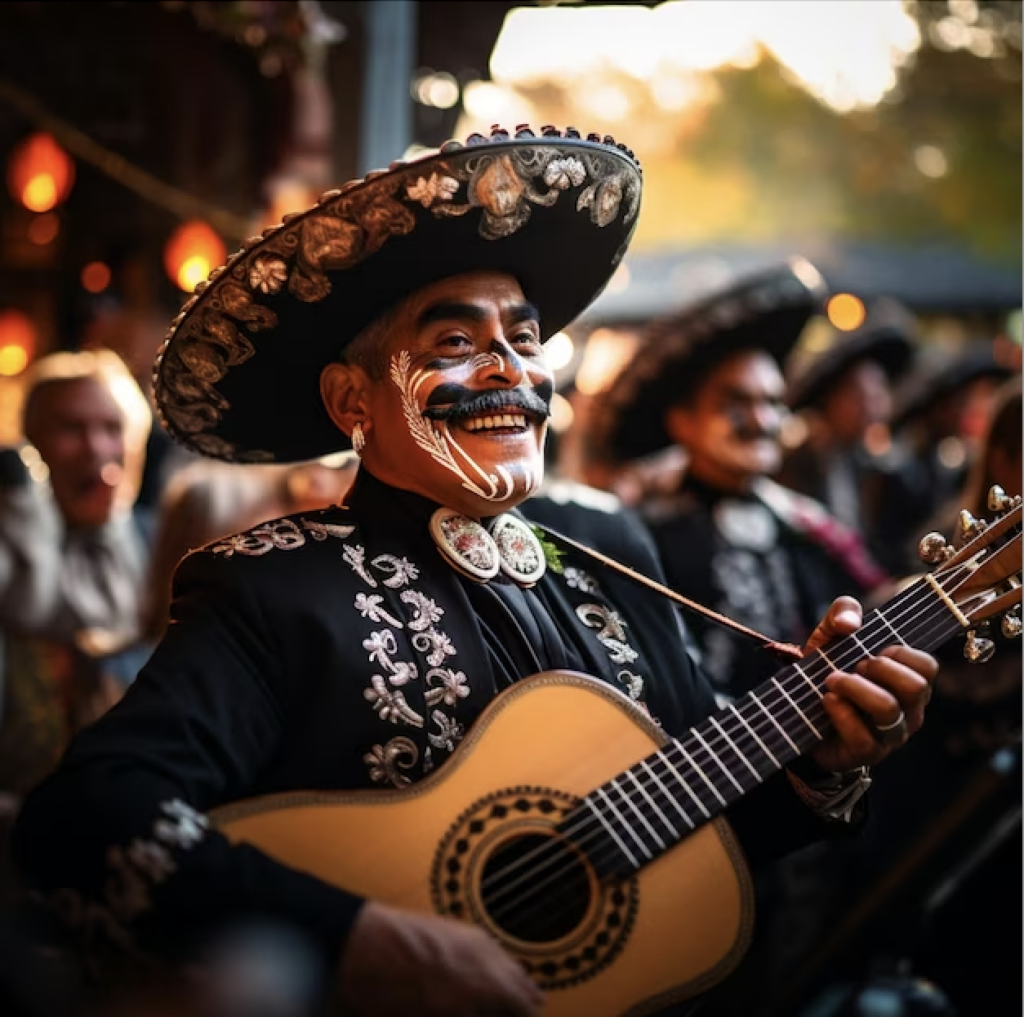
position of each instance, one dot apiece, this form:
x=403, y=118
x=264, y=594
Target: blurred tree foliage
x=758, y=158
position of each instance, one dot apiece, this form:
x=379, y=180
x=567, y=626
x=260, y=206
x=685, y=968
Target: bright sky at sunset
x=846, y=52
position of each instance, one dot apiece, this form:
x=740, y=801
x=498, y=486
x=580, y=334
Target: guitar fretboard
x=635, y=817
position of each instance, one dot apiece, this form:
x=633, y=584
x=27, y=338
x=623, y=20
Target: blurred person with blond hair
x=73, y=555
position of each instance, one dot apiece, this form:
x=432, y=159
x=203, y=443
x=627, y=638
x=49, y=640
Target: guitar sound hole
x=535, y=888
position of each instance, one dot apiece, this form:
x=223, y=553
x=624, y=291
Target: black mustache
x=453, y=402
x=750, y=433
x=743, y=429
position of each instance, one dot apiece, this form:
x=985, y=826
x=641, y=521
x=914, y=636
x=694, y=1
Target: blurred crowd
x=770, y=479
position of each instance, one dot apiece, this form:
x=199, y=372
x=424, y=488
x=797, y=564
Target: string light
x=192, y=252
x=40, y=174
x=181, y=205
x=17, y=342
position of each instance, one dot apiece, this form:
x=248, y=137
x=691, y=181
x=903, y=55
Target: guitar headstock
x=980, y=572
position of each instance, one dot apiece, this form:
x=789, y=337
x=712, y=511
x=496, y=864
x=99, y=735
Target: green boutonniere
x=552, y=553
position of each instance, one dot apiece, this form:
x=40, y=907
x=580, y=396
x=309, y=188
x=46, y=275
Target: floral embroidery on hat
x=299, y=260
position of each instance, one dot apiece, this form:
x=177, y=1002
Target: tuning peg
x=969, y=527
x=978, y=649
x=1011, y=624
x=933, y=549
x=998, y=499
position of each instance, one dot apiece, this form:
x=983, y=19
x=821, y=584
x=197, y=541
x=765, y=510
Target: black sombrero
x=887, y=336
x=767, y=310
x=238, y=376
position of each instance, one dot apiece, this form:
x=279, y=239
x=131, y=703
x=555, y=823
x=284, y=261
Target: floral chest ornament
x=479, y=552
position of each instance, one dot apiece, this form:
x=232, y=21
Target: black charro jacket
x=332, y=650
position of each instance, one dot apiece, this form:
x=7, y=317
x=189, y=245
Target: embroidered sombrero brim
x=238, y=376
x=888, y=336
x=767, y=310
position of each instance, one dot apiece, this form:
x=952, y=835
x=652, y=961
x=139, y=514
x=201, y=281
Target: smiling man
x=469, y=387
x=356, y=648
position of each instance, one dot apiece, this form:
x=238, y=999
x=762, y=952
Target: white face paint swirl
x=488, y=359
x=436, y=439
x=467, y=343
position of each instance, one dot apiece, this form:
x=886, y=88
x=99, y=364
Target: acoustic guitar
x=600, y=856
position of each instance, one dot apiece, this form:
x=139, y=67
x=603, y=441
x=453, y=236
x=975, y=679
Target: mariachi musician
x=356, y=648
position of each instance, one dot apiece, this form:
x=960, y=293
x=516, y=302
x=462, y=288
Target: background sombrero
x=888, y=336
x=767, y=310
x=238, y=375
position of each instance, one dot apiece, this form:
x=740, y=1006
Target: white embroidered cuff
x=835, y=795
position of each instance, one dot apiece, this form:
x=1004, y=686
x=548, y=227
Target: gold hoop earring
x=358, y=438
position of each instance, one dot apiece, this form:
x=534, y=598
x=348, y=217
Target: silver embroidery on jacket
x=321, y=531
x=425, y=610
x=390, y=703
x=435, y=644
x=579, y=580
x=277, y=534
x=387, y=761
x=449, y=731
x=371, y=605
x=453, y=686
x=356, y=557
x=132, y=873
x=611, y=631
x=402, y=571
x=281, y=534
x=184, y=827
x=633, y=682
x=386, y=691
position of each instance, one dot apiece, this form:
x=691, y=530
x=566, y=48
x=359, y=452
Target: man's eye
x=454, y=342
x=526, y=339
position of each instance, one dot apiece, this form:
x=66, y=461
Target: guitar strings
x=712, y=754
x=766, y=725
x=591, y=825
x=877, y=622
x=523, y=907
x=905, y=599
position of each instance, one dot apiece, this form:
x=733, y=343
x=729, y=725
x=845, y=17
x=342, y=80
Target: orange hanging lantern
x=192, y=251
x=17, y=342
x=40, y=173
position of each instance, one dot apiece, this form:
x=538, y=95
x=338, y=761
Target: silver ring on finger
x=894, y=733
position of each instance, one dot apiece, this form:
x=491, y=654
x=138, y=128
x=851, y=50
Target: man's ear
x=678, y=424
x=343, y=388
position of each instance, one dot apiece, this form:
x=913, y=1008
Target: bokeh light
x=17, y=342
x=43, y=229
x=193, y=251
x=95, y=277
x=846, y=311
x=40, y=174
x=562, y=413
x=559, y=351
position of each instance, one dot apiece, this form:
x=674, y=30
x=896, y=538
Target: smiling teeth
x=493, y=423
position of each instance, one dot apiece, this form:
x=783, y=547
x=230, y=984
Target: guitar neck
x=654, y=804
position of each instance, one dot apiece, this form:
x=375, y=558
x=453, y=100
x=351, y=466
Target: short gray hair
x=366, y=350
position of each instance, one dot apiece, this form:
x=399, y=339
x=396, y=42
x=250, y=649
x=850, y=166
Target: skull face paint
x=462, y=415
